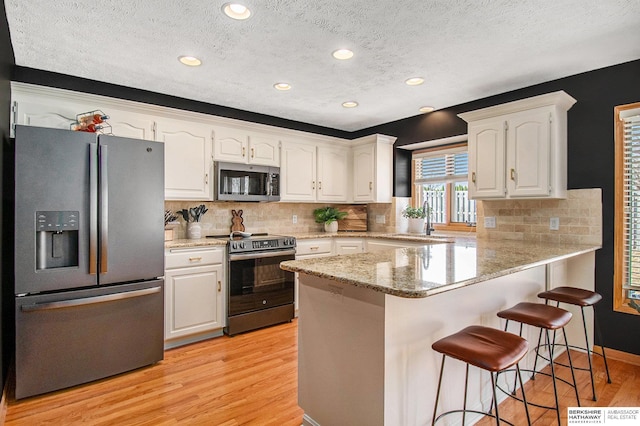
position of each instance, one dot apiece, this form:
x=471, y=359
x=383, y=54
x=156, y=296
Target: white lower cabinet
x=349, y=245
x=306, y=249
x=194, y=295
x=376, y=244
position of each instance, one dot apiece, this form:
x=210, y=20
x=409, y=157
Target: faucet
x=425, y=208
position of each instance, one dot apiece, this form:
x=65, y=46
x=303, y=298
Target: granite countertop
x=424, y=271
x=204, y=242
x=201, y=242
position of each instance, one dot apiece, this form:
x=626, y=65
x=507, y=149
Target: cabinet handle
x=320, y=185
x=251, y=152
x=370, y=186
x=313, y=184
x=314, y=248
x=243, y=151
x=473, y=177
x=195, y=259
x=206, y=179
x=219, y=286
x=513, y=174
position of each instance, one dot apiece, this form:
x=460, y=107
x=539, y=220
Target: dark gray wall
x=591, y=162
x=7, y=62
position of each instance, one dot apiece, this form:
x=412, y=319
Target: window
x=627, y=209
x=440, y=179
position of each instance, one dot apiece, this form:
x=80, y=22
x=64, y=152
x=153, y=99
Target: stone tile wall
x=580, y=218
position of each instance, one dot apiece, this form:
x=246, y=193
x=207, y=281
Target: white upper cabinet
x=129, y=125
x=332, y=174
x=298, y=172
x=519, y=149
x=239, y=146
x=264, y=150
x=187, y=159
x=373, y=169
x=311, y=172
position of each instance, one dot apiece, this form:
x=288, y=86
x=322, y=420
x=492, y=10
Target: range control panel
x=245, y=245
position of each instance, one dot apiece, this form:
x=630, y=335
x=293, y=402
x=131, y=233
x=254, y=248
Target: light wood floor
x=251, y=379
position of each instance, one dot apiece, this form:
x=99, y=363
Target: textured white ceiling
x=465, y=50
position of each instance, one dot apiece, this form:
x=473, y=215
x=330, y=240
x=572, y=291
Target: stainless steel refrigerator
x=89, y=257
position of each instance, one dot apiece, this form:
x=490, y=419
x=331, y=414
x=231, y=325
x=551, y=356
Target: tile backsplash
x=580, y=217
x=270, y=217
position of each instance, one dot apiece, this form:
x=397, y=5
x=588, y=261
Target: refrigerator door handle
x=93, y=209
x=89, y=300
x=104, y=211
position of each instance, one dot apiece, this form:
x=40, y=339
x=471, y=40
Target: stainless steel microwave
x=246, y=182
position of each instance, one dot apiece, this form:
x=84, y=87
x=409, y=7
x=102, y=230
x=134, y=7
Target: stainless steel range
x=259, y=293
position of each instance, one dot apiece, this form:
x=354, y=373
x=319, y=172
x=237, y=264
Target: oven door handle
x=260, y=255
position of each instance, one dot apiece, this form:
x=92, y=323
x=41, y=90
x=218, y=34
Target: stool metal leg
x=586, y=338
x=435, y=409
x=535, y=359
x=464, y=403
x=553, y=374
x=573, y=375
x=524, y=398
x=495, y=398
x=604, y=356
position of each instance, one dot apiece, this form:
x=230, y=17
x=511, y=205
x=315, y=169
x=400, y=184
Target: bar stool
x=583, y=298
x=488, y=349
x=546, y=318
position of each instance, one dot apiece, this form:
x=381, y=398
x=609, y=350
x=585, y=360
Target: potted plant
x=330, y=217
x=416, y=217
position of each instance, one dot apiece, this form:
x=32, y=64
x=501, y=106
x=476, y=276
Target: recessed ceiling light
x=191, y=61
x=343, y=54
x=426, y=109
x=350, y=104
x=236, y=11
x=414, y=81
x=282, y=86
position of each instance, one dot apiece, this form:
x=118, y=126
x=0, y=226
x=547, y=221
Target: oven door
x=256, y=281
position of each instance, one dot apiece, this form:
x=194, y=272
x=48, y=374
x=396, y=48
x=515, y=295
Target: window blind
x=441, y=167
x=631, y=190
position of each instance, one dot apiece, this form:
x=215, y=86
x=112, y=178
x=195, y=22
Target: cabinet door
x=187, y=160
x=349, y=246
x=298, y=172
x=487, y=159
x=264, y=150
x=528, y=153
x=41, y=115
x=364, y=173
x=333, y=174
x=193, y=301
x=230, y=145
x=129, y=125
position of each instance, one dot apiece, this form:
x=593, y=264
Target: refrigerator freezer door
x=131, y=209
x=68, y=338
x=52, y=189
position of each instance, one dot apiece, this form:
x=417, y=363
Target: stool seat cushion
x=572, y=296
x=484, y=347
x=537, y=315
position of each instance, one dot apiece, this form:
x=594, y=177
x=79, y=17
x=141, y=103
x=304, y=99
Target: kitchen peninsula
x=367, y=322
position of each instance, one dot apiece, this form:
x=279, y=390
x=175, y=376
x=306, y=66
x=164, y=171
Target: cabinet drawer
x=186, y=257
x=313, y=247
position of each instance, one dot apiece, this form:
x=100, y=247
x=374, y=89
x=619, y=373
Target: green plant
x=413, y=212
x=328, y=214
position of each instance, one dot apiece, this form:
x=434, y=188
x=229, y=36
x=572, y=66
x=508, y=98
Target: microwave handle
x=269, y=184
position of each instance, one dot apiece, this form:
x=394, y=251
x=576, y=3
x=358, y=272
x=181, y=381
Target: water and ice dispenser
x=56, y=239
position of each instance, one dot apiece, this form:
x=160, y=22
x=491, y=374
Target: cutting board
x=237, y=221
x=356, y=219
